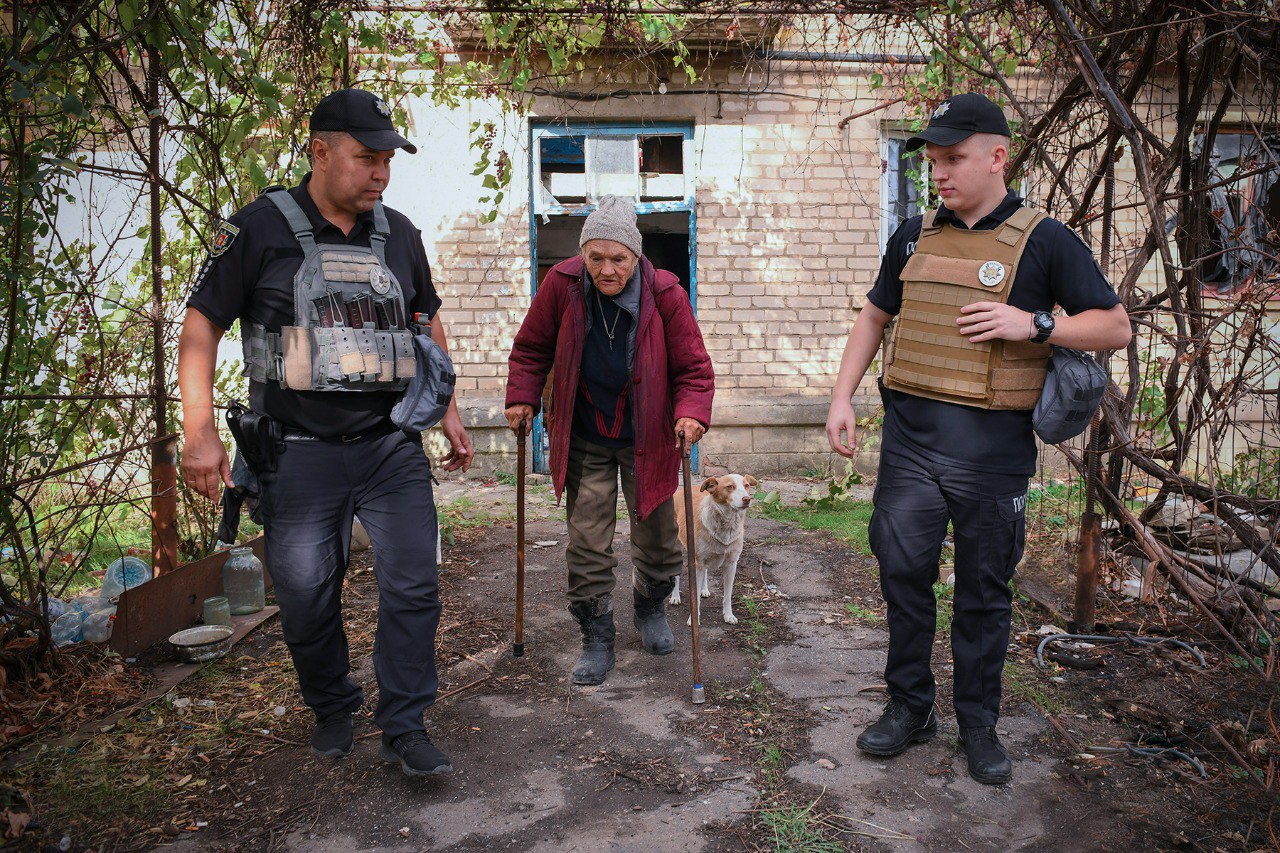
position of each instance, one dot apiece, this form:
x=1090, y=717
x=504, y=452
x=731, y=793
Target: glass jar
x=242, y=582
x=217, y=610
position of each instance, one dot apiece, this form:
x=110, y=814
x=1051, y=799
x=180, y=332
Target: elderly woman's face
x=610, y=264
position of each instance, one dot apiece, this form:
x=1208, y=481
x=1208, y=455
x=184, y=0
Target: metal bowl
x=202, y=643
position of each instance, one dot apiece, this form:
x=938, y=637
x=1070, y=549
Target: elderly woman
x=631, y=374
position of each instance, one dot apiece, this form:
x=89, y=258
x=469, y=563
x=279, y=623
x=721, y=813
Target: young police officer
x=327, y=369
x=972, y=285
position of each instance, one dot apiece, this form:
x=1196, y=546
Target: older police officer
x=326, y=370
x=973, y=284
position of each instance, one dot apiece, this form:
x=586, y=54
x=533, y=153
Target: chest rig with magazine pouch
x=927, y=354
x=350, y=330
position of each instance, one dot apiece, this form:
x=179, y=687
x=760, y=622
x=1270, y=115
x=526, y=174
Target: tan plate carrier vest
x=927, y=355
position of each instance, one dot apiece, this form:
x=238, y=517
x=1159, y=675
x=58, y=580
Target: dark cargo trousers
x=591, y=498
x=308, y=505
x=914, y=500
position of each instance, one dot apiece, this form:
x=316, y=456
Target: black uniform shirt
x=252, y=280
x=1056, y=268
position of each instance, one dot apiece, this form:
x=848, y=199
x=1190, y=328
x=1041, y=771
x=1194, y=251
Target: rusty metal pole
x=164, y=470
x=691, y=561
x=517, y=647
x=1090, y=546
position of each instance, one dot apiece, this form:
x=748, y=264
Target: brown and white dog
x=719, y=510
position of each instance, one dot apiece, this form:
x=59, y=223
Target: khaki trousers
x=591, y=490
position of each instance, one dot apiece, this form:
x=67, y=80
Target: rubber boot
x=651, y=621
x=595, y=617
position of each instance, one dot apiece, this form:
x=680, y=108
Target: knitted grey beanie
x=614, y=219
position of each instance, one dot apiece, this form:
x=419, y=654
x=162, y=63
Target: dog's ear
x=709, y=484
x=749, y=481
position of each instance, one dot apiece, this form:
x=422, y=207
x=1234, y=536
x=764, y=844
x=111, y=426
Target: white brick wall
x=788, y=227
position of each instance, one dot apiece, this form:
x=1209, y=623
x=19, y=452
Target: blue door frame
x=539, y=130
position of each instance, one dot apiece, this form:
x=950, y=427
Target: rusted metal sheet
x=170, y=602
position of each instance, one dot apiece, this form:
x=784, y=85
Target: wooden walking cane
x=691, y=560
x=517, y=647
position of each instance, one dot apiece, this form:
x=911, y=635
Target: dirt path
x=632, y=765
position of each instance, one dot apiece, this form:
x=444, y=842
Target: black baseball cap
x=363, y=115
x=959, y=117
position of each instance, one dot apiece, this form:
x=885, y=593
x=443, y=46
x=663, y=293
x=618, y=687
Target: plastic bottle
x=242, y=582
x=69, y=628
x=97, y=627
x=57, y=607
x=89, y=603
x=124, y=573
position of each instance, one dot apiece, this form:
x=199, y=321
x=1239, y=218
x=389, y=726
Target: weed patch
x=849, y=523
x=797, y=828
x=1028, y=685
x=863, y=614
x=944, y=592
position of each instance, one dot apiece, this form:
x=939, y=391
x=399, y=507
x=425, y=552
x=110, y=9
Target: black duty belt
x=380, y=431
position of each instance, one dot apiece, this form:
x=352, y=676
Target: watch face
x=1044, y=321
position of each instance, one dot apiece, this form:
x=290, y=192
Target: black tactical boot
x=332, y=736
x=651, y=621
x=988, y=762
x=897, y=729
x=595, y=617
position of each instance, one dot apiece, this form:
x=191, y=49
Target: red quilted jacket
x=671, y=371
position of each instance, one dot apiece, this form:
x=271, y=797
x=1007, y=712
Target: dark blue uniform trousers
x=308, y=506
x=914, y=500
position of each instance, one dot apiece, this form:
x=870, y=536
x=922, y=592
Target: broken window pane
x=662, y=166
x=904, y=191
x=563, y=165
x=613, y=167
x=1244, y=213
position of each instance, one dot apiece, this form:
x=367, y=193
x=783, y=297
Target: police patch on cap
x=380, y=106
x=941, y=110
x=222, y=239
x=991, y=273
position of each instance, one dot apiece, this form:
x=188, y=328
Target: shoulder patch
x=222, y=239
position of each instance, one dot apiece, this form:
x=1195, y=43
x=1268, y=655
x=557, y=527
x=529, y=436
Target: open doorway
x=666, y=240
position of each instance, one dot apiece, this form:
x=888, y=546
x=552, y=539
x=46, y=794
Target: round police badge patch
x=991, y=273
x=222, y=239
x=380, y=106
x=379, y=281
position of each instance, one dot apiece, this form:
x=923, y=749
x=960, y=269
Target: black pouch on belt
x=259, y=443
x=258, y=437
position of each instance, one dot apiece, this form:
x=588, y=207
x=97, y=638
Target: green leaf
x=72, y=105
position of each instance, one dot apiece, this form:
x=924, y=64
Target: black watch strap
x=1043, y=323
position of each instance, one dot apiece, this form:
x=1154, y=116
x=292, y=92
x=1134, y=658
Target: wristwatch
x=1042, y=324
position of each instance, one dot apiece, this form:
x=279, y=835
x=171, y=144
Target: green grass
x=943, y=592
x=756, y=629
x=863, y=614
x=848, y=524
x=463, y=513
x=772, y=757
x=108, y=789
x=796, y=829
x=1030, y=686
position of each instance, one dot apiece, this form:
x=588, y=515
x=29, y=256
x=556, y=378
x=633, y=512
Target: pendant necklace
x=608, y=331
